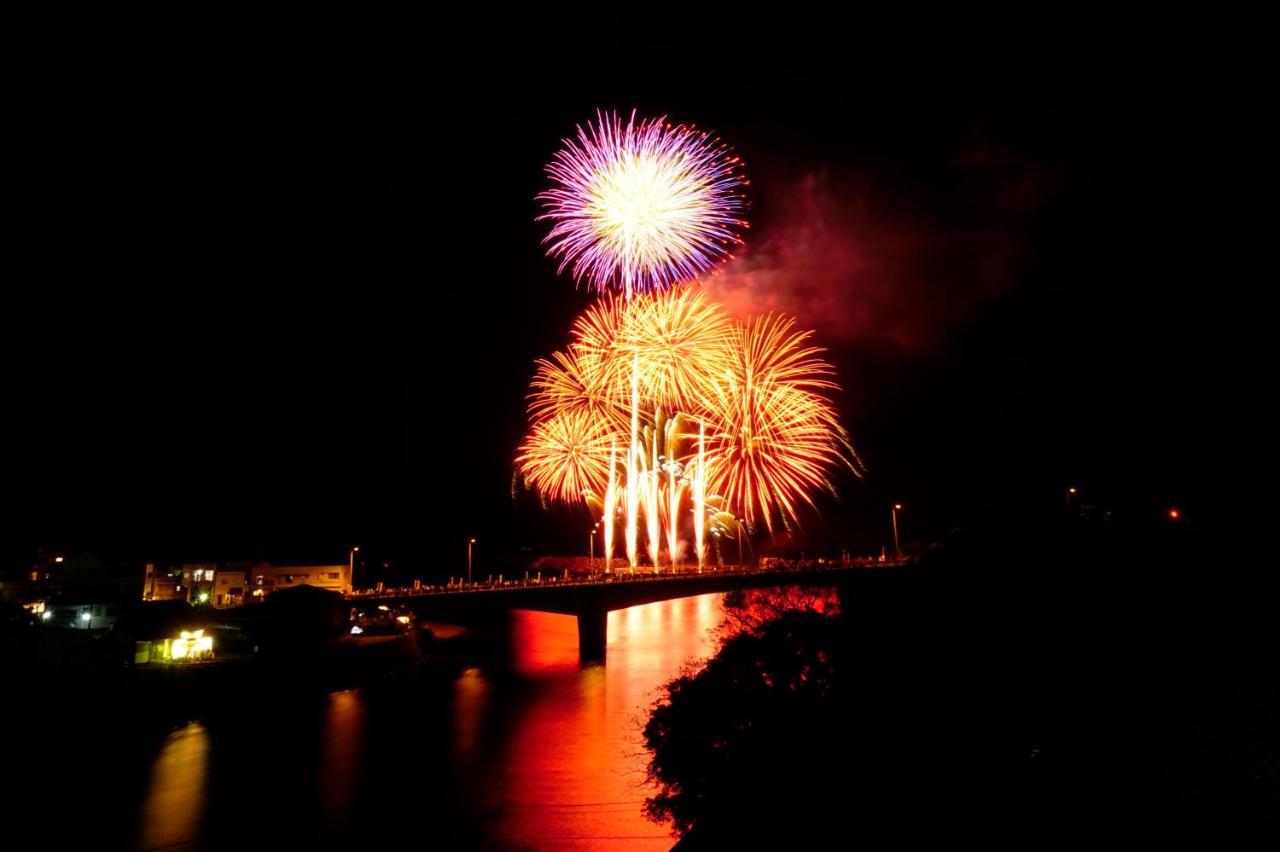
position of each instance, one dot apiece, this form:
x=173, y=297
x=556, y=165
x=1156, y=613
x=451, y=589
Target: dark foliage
x=1040, y=681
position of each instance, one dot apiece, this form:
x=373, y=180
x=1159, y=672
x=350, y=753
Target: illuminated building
x=268, y=578
x=160, y=584
x=231, y=584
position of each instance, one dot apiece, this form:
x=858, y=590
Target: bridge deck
x=591, y=598
x=786, y=573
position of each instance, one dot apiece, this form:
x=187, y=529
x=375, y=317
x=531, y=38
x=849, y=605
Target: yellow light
x=403, y=619
x=190, y=644
x=897, y=506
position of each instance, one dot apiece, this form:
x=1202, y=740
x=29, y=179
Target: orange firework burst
x=771, y=432
x=567, y=456
x=672, y=338
x=760, y=433
x=678, y=339
x=576, y=382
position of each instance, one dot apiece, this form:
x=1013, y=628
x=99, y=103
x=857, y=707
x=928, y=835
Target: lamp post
x=897, y=551
x=591, y=548
x=741, y=531
x=470, y=542
x=351, y=564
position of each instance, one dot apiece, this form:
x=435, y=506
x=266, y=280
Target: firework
x=767, y=434
x=632, y=493
x=673, y=340
x=576, y=382
x=653, y=482
x=771, y=430
x=567, y=457
x=675, y=489
x=641, y=206
x=700, y=498
x=610, y=504
x=679, y=338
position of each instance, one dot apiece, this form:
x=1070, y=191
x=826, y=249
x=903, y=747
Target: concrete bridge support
x=593, y=635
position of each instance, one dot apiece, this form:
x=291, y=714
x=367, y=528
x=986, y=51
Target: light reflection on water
x=535, y=752
x=175, y=797
x=341, y=745
x=574, y=771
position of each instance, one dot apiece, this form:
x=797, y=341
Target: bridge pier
x=593, y=635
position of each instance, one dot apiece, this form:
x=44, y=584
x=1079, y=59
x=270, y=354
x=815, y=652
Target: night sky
x=279, y=306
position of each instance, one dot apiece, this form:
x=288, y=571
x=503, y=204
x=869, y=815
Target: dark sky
x=281, y=304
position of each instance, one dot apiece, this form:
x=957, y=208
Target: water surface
x=522, y=750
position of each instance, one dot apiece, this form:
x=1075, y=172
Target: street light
x=87, y=618
x=897, y=551
x=1071, y=492
x=351, y=564
x=470, y=542
x=740, y=530
x=591, y=547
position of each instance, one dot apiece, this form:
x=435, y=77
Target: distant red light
x=1174, y=514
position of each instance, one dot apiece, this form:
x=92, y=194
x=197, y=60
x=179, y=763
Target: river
x=531, y=751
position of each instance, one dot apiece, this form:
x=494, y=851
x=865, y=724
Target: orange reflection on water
x=574, y=774
x=470, y=697
x=341, y=744
x=542, y=641
x=176, y=795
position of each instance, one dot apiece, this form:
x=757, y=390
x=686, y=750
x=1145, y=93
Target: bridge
x=590, y=598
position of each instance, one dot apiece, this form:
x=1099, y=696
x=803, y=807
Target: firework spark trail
x=643, y=206
x=633, y=451
x=674, y=492
x=653, y=478
x=700, y=498
x=610, y=504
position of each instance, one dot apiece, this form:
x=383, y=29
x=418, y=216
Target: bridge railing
x=647, y=576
